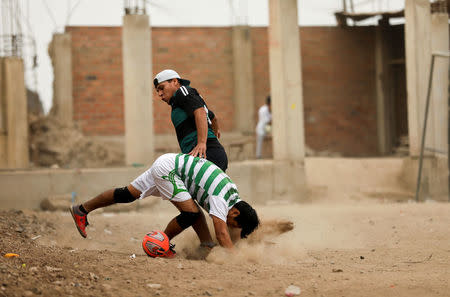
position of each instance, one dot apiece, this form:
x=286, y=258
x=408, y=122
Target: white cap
x=169, y=74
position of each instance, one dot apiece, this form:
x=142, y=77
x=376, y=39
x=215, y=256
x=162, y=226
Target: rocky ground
x=353, y=249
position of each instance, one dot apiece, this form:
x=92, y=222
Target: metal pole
x=419, y=176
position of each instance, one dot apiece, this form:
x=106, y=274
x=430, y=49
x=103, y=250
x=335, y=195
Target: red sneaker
x=80, y=221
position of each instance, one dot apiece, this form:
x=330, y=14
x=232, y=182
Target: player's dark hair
x=268, y=100
x=247, y=219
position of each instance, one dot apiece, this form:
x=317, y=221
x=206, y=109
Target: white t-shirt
x=180, y=177
x=264, y=118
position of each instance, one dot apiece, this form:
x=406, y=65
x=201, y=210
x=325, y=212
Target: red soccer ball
x=156, y=244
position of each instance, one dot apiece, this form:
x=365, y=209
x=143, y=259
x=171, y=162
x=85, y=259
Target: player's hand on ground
x=199, y=150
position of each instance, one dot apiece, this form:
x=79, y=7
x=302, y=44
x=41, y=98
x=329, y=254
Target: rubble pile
x=54, y=143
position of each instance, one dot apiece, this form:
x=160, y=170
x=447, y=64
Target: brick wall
x=97, y=79
x=338, y=80
x=339, y=89
x=202, y=55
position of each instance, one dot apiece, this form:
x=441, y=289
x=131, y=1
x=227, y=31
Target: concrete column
x=137, y=80
x=287, y=100
x=439, y=182
x=3, y=118
x=243, y=80
x=418, y=58
x=439, y=94
x=60, y=51
x=383, y=87
x=14, y=121
x=286, y=81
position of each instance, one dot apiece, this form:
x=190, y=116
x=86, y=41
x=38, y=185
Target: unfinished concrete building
x=348, y=92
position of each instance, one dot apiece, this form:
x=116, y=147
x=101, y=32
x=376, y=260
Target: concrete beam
x=243, y=80
x=60, y=52
x=137, y=80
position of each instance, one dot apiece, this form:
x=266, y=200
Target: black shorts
x=216, y=153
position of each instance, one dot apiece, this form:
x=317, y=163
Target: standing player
x=196, y=127
x=264, y=120
x=187, y=182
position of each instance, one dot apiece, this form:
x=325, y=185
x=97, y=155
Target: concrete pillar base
x=289, y=181
x=262, y=181
x=434, y=182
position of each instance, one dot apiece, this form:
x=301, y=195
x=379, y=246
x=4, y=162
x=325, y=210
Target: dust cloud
x=287, y=232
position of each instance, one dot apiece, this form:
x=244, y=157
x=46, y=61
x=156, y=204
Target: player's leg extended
x=102, y=200
x=120, y=195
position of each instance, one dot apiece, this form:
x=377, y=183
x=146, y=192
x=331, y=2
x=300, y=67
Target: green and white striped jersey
x=173, y=176
x=203, y=179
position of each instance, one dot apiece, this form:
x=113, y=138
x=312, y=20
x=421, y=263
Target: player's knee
x=185, y=219
x=123, y=195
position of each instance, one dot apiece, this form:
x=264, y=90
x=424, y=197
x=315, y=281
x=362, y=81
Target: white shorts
x=161, y=180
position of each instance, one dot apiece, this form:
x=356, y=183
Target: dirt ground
x=361, y=248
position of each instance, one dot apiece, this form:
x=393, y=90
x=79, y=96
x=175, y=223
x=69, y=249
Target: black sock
x=82, y=209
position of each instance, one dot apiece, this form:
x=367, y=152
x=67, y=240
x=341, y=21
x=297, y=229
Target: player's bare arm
x=202, y=133
x=215, y=126
x=222, y=235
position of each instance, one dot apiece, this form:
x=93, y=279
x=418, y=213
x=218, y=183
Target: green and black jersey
x=184, y=102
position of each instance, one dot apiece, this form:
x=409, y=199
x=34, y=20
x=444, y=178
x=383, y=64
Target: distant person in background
x=263, y=127
x=196, y=126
